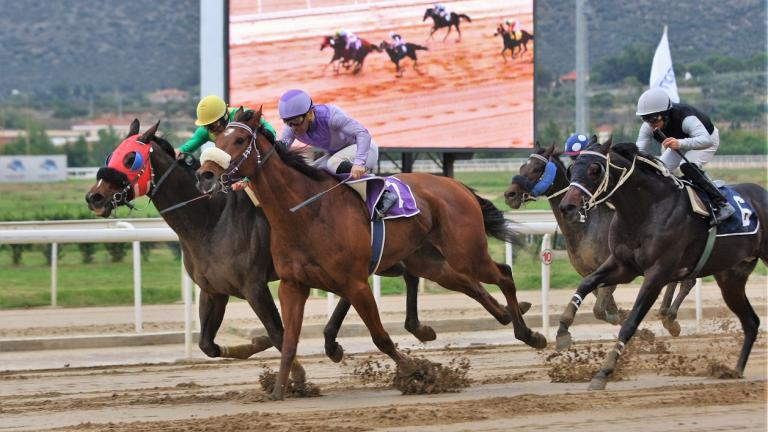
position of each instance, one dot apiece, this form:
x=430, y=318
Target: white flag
x=662, y=73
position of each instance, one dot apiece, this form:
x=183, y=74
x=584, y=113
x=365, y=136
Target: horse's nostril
x=206, y=175
x=94, y=198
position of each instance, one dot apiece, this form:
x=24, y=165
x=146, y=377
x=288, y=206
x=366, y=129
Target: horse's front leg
x=459, y=31
x=333, y=350
x=611, y=272
x=449, y=32
x=503, y=55
x=293, y=297
x=212, y=307
x=649, y=292
x=412, y=323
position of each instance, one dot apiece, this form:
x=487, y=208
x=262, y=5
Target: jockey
x=348, y=145
x=398, y=42
x=575, y=144
x=513, y=27
x=353, y=42
x=691, y=133
x=213, y=115
x=442, y=11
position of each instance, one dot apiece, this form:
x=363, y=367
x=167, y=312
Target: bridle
x=230, y=176
x=543, y=183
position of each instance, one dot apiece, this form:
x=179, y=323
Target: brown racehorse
x=450, y=221
x=347, y=57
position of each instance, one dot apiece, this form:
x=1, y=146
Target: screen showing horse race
x=446, y=76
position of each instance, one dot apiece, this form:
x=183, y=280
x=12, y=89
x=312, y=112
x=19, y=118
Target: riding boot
x=387, y=200
x=696, y=175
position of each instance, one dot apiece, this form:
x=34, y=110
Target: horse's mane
x=165, y=145
x=293, y=159
x=629, y=150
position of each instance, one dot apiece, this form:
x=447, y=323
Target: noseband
x=543, y=184
x=602, y=188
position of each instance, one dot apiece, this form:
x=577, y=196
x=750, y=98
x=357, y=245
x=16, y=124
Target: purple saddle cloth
x=405, y=206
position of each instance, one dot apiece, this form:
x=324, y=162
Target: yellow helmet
x=210, y=109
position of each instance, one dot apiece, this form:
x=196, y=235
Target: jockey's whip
x=318, y=196
x=660, y=137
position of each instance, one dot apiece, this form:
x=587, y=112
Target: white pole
x=54, y=273
x=508, y=254
x=331, y=303
x=187, y=289
x=546, y=261
x=196, y=305
x=137, y=320
x=137, y=286
x=377, y=290
x=697, y=287
x=259, y=6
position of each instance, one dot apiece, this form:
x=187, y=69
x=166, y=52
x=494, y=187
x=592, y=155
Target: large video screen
x=461, y=95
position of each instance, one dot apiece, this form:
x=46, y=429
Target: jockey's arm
x=644, y=137
x=348, y=126
x=699, y=138
x=287, y=137
x=200, y=137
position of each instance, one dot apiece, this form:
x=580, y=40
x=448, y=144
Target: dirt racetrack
x=666, y=384
x=463, y=94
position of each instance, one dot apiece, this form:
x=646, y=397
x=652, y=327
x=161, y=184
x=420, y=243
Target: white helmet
x=652, y=101
x=391, y=34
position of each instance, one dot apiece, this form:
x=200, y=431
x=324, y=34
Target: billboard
x=28, y=169
x=462, y=95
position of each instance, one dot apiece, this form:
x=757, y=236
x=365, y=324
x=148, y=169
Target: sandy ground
x=665, y=383
x=462, y=95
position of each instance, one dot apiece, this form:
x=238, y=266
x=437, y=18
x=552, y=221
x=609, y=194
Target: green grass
x=107, y=283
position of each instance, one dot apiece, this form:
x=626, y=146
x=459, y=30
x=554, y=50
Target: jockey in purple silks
x=347, y=144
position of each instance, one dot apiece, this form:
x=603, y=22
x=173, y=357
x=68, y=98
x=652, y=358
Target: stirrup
x=386, y=202
x=723, y=213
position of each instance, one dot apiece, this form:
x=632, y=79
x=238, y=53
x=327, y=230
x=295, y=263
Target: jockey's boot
x=387, y=200
x=696, y=175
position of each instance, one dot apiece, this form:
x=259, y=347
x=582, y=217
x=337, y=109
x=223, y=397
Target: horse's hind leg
x=459, y=31
x=669, y=319
x=212, y=307
x=732, y=283
x=449, y=32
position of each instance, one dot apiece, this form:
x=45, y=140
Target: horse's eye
x=594, y=170
x=240, y=141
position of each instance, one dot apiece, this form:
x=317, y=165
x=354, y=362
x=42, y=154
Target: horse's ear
x=550, y=150
x=133, y=129
x=593, y=139
x=256, y=118
x=239, y=113
x=606, y=146
x=536, y=146
x=149, y=134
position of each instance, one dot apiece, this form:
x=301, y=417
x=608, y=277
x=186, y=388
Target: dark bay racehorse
x=587, y=241
x=656, y=235
x=220, y=224
x=397, y=54
x=510, y=43
x=445, y=242
x=439, y=22
x=347, y=57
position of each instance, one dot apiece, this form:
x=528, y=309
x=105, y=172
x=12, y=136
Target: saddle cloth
x=743, y=222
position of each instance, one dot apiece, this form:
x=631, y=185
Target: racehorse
x=444, y=242
x=544, y=175
x=397, y=54
x=347, y=57
x=439, y=22
x=510, y=44
x=221, y=224
x=656, y=234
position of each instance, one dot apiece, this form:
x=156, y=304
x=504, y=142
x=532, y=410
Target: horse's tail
x=530, y=35
x=496, y=225
x=466, y=17
x=417, y=47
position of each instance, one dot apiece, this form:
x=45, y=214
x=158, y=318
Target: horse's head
x=499, y=30
x=126, y=174
x=327, y=42
x=589, y=177
x=530, y=181
x=236, y=153
x=428, y=13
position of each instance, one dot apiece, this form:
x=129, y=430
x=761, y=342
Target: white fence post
x=137, y=319
x=697, y=287
x=508, y=255
x=331, y=300
x=377, y=290
x=546, y=261
x=54, y=273
x=187, y=295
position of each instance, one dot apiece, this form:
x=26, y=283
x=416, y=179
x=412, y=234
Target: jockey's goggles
x=652, y=118
x=295, y=121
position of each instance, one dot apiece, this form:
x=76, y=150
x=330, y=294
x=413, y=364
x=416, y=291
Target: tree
x=108, y=140
x=77, y=153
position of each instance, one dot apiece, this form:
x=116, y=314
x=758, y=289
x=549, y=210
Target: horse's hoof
x=673, y=327
x=425, y=333
x=524, y=307
x=597, y=384
x=274, y=396
x=537, y=341
x=610, y=318
x=337, y=354
x=563, y=342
